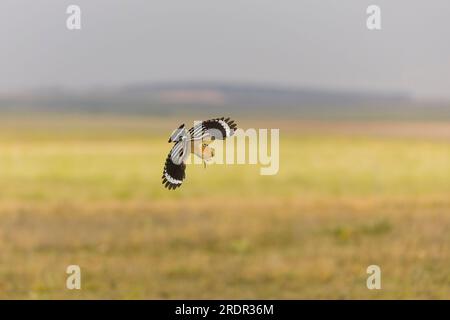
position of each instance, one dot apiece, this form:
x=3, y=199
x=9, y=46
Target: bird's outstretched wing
x=219, y=128
x=174, y=168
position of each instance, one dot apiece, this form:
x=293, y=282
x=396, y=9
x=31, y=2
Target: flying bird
x=196, y=140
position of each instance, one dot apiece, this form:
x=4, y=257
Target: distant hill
x=219, y=98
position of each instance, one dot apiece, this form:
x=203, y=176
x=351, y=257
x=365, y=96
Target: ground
x=87, y=191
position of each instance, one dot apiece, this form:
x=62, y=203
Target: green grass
x=309, y=165
x=88, y=192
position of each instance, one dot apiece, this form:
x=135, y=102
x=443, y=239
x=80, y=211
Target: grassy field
x=87, y=191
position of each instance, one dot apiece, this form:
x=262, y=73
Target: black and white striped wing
x=219, y=128
x=174, y=168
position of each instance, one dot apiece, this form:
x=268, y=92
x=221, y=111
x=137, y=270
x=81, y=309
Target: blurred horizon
x=203, y=98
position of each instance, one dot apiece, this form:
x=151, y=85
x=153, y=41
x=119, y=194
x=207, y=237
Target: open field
x=87, y=191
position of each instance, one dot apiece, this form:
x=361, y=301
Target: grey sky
x=289, y=42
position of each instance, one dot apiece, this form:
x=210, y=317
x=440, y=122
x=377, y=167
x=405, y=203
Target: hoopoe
x=196, y=140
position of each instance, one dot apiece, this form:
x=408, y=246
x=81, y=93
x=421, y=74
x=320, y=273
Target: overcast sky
x=313, y=43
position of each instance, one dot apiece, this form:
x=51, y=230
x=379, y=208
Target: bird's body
x=202, y=149
x=196, y=140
